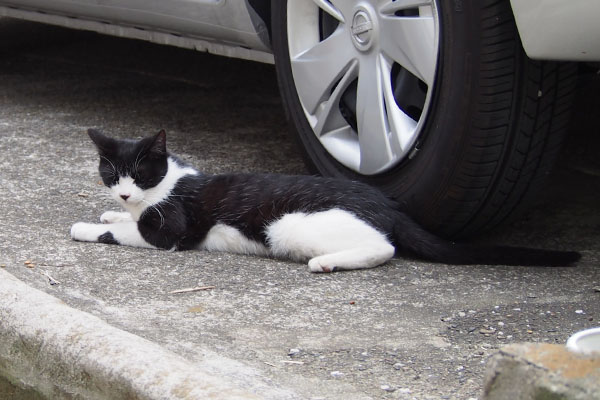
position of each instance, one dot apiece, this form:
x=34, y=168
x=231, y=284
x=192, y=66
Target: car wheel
x=433, y=101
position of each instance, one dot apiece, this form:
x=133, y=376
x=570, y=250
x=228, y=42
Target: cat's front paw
x=84, y=232
x=111, y=217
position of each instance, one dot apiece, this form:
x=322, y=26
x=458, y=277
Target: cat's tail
x=412, y=239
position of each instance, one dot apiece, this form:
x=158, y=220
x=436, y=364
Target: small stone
x=398, y=366
x=597, y=289
x=462, y=314
x=337, y=374
x=579, y=312
x=293, y=352
x=387, y=388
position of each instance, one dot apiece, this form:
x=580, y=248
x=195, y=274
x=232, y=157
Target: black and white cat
x=331, y=223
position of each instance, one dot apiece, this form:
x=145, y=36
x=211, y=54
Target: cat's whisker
x=114, y=169
x=160, y=214
x=137, y=161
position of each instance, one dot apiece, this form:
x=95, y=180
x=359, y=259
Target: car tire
x=491, y=121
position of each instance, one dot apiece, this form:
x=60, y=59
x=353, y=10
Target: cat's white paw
x=84, y=232
x=319, y=265
x=111, y=217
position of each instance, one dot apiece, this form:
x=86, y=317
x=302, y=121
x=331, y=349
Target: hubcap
x=364, y=71
x=362, y=30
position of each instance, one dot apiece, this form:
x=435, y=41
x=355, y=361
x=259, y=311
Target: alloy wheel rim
x=364, y=72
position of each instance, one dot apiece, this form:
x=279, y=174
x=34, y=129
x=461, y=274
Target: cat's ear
x=158, y=145
x=102, y=142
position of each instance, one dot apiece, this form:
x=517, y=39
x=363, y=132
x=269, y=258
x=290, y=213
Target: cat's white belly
x=335, y=236
x=226, y=238
x=328, y=239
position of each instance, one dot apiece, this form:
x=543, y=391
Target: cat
x=334, y=224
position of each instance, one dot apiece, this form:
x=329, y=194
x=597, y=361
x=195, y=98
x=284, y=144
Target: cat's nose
x=125, y=196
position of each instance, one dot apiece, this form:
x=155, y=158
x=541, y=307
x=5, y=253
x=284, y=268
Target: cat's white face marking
x=126, y=192
x=136, y=200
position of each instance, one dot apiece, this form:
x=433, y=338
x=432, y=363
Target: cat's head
x=130, y=168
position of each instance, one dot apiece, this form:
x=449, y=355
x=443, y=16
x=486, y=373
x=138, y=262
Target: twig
x=56, y=265
x=194, y=289
x=292, y=362
x=51, y=280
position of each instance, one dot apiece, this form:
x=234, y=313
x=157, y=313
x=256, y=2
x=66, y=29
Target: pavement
x=268, y=328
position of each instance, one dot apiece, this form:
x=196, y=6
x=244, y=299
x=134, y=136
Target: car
x=455, y=108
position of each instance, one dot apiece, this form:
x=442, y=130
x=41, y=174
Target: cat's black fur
x=249, y=202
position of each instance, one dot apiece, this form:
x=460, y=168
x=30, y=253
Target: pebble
x=578, y=311
x=337, y=374
x=398, y=366
x=293, y=352
x=387, y=388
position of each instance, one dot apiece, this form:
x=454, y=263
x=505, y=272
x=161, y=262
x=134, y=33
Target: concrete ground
x=405, y=330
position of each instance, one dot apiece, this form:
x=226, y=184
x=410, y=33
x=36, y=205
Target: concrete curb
x=542, y=371
x=64, y=353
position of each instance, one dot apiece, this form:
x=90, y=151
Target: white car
x=456, y=108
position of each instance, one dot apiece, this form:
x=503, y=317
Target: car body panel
x=549, y=29
x=559, y=29
x=222, y=27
